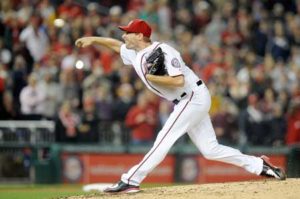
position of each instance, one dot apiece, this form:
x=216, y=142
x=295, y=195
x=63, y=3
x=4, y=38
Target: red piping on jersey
x=163, y=137
x=144, y=74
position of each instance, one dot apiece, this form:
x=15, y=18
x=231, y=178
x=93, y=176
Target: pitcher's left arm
x=172, y=81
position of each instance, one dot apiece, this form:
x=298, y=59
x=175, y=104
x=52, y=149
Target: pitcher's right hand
x=84, y=42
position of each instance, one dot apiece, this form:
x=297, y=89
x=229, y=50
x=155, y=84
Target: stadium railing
x=21, y=143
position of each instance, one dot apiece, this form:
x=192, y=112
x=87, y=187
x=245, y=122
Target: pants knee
x=210, y=152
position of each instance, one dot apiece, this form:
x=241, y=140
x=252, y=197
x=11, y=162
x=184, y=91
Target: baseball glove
x=155, y=62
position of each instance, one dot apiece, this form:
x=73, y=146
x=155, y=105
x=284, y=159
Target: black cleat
x=269, y=170
x=122, y=187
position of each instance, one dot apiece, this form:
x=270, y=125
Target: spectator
x=61, y=46
x=106, y=58
x=69, y=10
x=35, y=38
x=11, y=30
x=70, y=87
x=32, y=98
x=268, y=103
x=153, y=100
x=268, y=64
x=295, y=37
x=260, y=38
x=115, y=16
x=215, y=65
x=252, y=122
x=282, y=77
x=184, y=20
x=141, y=119
x=88, y=131
x=225, y=123
x=122, y=104
x=248, y=64
x=293, y=123
x=149, y=13
x=201, y=56
x=53, y=96
x=94, y=79
x=104, y=103
x=8, y=109
x=232, y=37
x=24, y=11
x=18, y=76
x=124, y=101
x=164, y=16
x=47, y=11
x=277, y=126
x=66, y=124
x=214, y=29
x=238, y=91
x=259, y=81
x=50, y=67
x=283, y=99
x=202, y=15
x=279, y=45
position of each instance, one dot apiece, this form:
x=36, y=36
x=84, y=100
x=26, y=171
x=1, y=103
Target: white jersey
x=174, y=65
x=190, y=115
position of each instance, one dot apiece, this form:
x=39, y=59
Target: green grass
x=50, y=191
x=39, y=191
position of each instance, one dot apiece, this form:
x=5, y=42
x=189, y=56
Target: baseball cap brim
x=126, y=29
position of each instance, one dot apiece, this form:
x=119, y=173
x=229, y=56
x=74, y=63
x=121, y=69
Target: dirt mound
x=267, y=189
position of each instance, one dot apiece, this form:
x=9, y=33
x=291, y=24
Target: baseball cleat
x=122, y=187
x=269, y=170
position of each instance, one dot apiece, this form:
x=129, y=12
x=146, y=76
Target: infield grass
x=49, y=191
x=39, y=191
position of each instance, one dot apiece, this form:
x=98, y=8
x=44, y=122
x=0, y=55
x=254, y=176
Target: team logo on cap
x=175, y=63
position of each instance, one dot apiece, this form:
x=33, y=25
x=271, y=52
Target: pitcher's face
x=131, y=40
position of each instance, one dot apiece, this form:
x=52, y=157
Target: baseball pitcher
x=163, y=71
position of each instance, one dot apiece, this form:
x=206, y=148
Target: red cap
x=137, y=26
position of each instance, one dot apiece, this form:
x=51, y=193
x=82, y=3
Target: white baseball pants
x=191, y=115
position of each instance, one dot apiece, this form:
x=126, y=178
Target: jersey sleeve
x=127, y=55
x=173, y=60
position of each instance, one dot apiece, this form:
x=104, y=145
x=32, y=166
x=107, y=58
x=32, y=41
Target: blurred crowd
x=247, y=52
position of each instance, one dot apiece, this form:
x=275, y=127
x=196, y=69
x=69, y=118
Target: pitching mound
x=268, y=189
